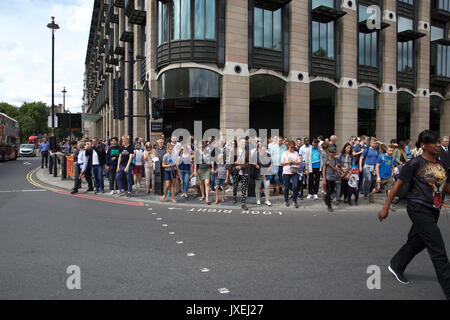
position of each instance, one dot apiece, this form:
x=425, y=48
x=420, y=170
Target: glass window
x=323, y=39
x=440, y=60
x=318, y=3
x=162, y=22
x=258, y=27
x=185, y=24
x=205, y=19
x=405, y=56
x=411, y=2
x=181, y=19
x=210, y=19
x=443, y=4
x=267, y=29
x=367, y=114
x=404, y=24
x=199, y=19
x=436, y=33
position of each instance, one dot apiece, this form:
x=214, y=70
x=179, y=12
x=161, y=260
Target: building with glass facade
x=305, y=67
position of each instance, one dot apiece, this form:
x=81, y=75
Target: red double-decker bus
x=9, y=138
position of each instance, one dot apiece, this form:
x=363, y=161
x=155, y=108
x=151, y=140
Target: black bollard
x=50, y=164
x=55, y=163
x=63, y=168
x=158, y=185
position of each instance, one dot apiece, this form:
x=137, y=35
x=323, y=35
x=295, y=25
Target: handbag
x=293, y=170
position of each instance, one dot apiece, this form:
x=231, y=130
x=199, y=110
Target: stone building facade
x=304, y=67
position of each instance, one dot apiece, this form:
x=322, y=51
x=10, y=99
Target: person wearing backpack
x=427, y=181
x=384, y=170
x=367, y=164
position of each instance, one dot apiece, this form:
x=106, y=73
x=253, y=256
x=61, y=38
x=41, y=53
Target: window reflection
x=323, y=39
x=404, y=24
x=436, y=33
x=267, y=29
x=205, y=19
x=318, y=3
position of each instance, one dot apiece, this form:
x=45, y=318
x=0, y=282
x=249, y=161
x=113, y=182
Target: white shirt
x=95, y=161
x=139, y=154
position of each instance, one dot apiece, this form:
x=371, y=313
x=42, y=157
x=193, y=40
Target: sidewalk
x=277, y=202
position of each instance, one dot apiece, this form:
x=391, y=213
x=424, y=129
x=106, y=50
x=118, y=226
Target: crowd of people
x=296, y=169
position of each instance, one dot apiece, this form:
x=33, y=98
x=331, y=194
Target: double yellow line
x=36, y=184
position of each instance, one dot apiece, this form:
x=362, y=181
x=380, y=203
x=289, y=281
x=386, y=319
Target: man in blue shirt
x=384, y=169
x=367, y=164
x=44, y=147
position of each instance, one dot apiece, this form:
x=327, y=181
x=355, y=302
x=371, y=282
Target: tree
x=32, y=117
x=9, y=110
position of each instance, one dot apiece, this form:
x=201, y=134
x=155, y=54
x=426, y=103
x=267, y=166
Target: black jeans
x=113, y=185
x=88, y=177
x=425, y=233
x=331, y=187
x=44, y=159
x=314, y=180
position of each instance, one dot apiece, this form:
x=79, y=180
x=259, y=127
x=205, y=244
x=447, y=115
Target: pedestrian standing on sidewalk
x=170, y=173
x=112, y=158
x=384, y=170
x=78, y=159
x=330, y=171
x=346, y=163
x=314, y=162
x=86, y=166
x=241, y=161
x=44, y=148
x=263, y=164
x=184, y=166
x=137, y=165
x=428, y=182
x=290, y=160
x=203, y=170
x=149, y=154
x=222, y=175
x=125, y=167
x=98, y=162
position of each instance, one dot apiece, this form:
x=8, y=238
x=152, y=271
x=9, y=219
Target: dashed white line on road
x=171, y=233
x=15, y=191
x=154, y=213
x=223, y=290
x=159, y=219
x=204, y=270
x=191, y=254
x=165, y=225
x=179, y=242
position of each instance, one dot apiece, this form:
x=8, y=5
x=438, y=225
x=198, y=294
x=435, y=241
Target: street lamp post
x=64, y=100
x=53, y=26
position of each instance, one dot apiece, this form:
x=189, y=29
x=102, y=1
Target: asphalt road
x=141, y=252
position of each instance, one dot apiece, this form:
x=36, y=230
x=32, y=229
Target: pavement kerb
x=44, y=177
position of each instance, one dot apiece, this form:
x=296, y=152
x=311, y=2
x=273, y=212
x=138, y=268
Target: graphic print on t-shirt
x=434, y=174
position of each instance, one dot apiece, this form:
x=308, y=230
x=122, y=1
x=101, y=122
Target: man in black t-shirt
x=428, y=182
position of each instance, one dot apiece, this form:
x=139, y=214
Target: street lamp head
x=64, y=90
x=52, y=25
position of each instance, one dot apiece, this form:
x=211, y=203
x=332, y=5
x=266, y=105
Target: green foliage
x=32, y=117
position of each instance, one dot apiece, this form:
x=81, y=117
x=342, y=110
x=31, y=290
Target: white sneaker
x=117, y=192
x=112, y=192
x=316, y=197
x=309, y=197
x=258, y=202
x=268, y=203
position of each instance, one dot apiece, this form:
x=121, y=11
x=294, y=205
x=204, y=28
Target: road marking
x=179, y=242
x=223, y=291
x=191, y=254
x=175, y=209
x=171, y=233
x=15, y=191
x=204, y=270
x=27, y=163
x=154, y=213
x=165, y=225
x=159, y=219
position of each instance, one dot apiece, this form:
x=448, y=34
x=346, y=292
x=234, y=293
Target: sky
x=26, y=50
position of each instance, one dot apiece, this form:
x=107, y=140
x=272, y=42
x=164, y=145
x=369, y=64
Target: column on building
x=346, y=116
x=235, y=102
x=420, y=115
x=139, y=127
x=296, y=108
x=151, y=58
x=387, y=104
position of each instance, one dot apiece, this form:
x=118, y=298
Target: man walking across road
x=44, y=147
x=428, y=182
